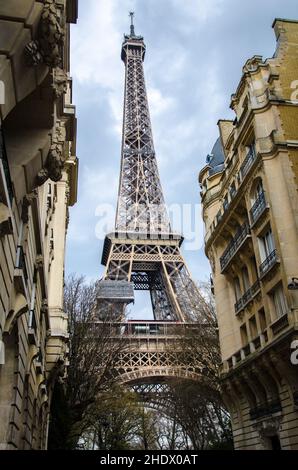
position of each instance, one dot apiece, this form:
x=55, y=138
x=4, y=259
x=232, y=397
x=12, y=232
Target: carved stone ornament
x=268, y=427
x=25, y=209
x=56, y=157
x=33, y=54
x=60, y=80
x=48, y=46
x=44, y=307
x=39, y=262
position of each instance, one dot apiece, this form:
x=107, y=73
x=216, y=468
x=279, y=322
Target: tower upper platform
x=132, y=42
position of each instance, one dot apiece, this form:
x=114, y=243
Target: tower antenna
x=132, y=27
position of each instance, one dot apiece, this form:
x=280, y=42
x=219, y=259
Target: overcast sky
x=195, y=53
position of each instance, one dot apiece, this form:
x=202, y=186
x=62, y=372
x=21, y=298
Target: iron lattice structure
x=143, y=253
x=141, y=205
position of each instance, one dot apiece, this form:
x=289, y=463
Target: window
x=259, y=189
x=232, y=190
x=237, y=288
x=225, y=203
x=243, y=333
x=279, y=301
x=251, y=149
x=253, y=327
x=266, y=244
x=262, y=319
x=245, y=279
x=254, y=267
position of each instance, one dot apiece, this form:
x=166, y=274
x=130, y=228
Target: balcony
x=234, y=245
x=268, y=264
x=265, y=409
x=248, y=161
x=258, y=208
x=247, y=297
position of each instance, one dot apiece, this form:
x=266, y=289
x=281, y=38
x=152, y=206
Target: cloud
x=158, y=102
x=195, y=53
x=95, y=43
x=198, y=11
x=99, y=186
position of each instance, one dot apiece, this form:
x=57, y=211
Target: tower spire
x=132, y=27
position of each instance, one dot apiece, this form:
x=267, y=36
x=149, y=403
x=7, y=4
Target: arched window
x=257, y=190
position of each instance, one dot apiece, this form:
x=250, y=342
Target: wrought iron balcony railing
x=265, y=409
x=238, y=305
x=258, y=208
x=234, y=245
x=248, y=161
x=255, y=288
x=5, y=165
x=269, y=262
x=247, y=296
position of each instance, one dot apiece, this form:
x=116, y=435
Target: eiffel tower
x=143, y=253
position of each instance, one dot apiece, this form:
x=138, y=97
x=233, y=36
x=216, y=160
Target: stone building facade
x=38, y=181
x=250, y=210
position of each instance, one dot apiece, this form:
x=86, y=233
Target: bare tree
x=93, y=351
x=201, y=414
x=171, y=435
x=198, y=405
x=120, y=421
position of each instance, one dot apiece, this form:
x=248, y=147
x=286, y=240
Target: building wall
x=38, y=180
x=256, y=191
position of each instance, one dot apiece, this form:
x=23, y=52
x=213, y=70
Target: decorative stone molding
x=48, y=46
x=211, y=258
x=60, y=80
x=39, y=262
x=56, y=157
x=44, y=307
x=267, y=428
x=25, y=210
x=42, y=176
x=252, y=64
